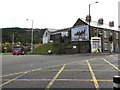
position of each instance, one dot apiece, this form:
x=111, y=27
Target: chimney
x=88, y=18
x=100, y=21
x=111, y=24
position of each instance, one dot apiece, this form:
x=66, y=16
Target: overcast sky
x=55, y=14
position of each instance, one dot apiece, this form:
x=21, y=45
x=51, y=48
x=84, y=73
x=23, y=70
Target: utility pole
x=89, y=24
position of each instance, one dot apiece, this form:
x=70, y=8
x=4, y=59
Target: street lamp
x=13, y=36
x=31, y=37
x=89, y=23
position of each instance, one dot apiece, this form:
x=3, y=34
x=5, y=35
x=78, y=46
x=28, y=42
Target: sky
x=56, y=14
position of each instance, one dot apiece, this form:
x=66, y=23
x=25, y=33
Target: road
x=59, y=71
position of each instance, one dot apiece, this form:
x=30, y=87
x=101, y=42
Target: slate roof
x=96, y=24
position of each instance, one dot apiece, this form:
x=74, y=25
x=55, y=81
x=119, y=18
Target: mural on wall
x=80, y=33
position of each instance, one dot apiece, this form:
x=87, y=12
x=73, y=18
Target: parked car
x=18, y=50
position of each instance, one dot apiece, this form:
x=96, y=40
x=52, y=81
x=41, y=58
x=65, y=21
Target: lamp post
x=13, y=39
x=31, y=37
x=13, y=36
x=89, y=23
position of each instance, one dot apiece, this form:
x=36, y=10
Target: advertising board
x=80, y=33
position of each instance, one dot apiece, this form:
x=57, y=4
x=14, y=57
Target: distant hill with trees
x=22, y=35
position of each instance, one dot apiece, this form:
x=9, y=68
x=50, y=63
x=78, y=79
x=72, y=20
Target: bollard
x=116, y=82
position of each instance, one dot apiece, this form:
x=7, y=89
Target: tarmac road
x=59, y=71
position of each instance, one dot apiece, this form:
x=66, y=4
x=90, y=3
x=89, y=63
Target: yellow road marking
x=12, y=74
x=28, y=79
x=36, y=70
x=59, y=69
x=106, y=70
x=20, y=72
x=111, y=64
x=44, y=68
x=116, y=58
x=92, y=64
x=74, y=80
x=56, y=80
x=105, y=80
x=93, y=75
x=87, y=70
x=79, y=80
x=76, y=70
x=53, y=80
x=80, y=61
x=13, y=79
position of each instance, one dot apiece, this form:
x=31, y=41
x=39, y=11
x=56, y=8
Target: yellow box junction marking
x=93, y=76
x=56, y=76
x=13, y=79
x=111, y=64
x=12, y=74
x=56, y=80
x=45, y=68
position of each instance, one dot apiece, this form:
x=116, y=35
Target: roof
x=96, y=24
x=51, y=29
x=62, y=30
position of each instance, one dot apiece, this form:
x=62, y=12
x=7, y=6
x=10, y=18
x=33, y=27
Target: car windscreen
x=16, y=49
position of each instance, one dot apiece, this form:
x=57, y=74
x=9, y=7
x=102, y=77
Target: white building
x=46, y=35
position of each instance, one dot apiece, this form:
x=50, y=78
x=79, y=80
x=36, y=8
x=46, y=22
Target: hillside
x=22, y=35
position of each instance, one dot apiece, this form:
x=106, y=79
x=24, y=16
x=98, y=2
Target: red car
x=18, y=50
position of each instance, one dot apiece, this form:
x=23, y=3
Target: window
x=105, y=34
x=117, y=48
x=110, y=33
x=105, y=46
x=95, y=45
x=46, y=34
x=64, y=34
x=111, y=37
x=117, y=35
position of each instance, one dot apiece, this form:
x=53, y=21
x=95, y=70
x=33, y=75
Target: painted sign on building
x=80, y=33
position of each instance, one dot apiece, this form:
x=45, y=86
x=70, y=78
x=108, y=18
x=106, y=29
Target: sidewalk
x=88, y=54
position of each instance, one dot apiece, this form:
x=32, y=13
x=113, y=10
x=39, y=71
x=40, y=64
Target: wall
x=76, y=47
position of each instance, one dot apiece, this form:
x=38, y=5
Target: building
x=104, y=37
x=46, y=35
x=61, y=35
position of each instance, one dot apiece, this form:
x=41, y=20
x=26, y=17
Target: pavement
x=83, y=72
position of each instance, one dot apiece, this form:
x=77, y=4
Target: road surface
x=59, y=71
